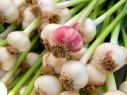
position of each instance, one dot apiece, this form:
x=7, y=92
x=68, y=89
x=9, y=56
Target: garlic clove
x=123, y=87
x=73, y=75
x=88, y=30
x=115, y=92
x=7, y=60
x=19, y=40
x=96, y=77
x=41, y=85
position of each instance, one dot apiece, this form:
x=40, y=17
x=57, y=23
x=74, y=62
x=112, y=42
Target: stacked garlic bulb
x=9, y=10
x=7, y=60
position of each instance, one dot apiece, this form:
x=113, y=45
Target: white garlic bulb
x=28, y=17
x=123, y=87
x=48, y=30
x=19, y=40
x=47, y=7
x=74, y=75
x=114, y=92
x=3, y=89
x=9, y=10
x=109, y=57
x=41, y=85
x=88, y=30
x=96, y=77
x=7, y=60
x=69, y=93
x=31, y=58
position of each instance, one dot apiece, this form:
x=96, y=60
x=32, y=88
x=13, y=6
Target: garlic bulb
x=109, y=57
x=3, y=89
x=22, y=90
x=115, y=92
x=96, y=77
x=19, y=3
x=7, y=60
x=31, y=58
x=48, y=30
x=88, y=30
x=41, y=85
x=47, y=7
x=69, y=93
x=60, y=17
x=51, y=64
x=73, y=75
x=19, y=40
x=9, y=10
x=77, y=55
x=28, y=17
x=123, y=87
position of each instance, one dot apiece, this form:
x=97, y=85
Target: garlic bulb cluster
x=69, y=93
x=9, y=10
x=88, y=30
x=123, y=87
x=96, y=77
x=47, y=7
x=114, y=92
x=19, y=40
x=42, y=88
x=7, y=60
x=109, y=57
x=28, y=17
x=73, y=75
x=51, y=64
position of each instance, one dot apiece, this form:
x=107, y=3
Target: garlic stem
x=83, y=14
x=27, y=75
x=74, y=10
x=109, y=12
x=124, y=35
x=33, y=25
x=19, y=61
x=111, y=84
x=66, y=4
x=10, y=28
x=102, y=36
x=115, y=34
x=31, y=84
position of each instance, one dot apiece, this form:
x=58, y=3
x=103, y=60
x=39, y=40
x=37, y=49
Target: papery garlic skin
x=22, y=90
x=3, y=89
x=109, y=57
x=47, y=7
x=74, y=75
x=48, y=30
x=77, y=55
x=42, y=82
x=7, y=60
x=50, y=61
x=28, y=17
x=19, y=40
x=9, y=10
x=31, y=58
x=96, y=77
x=123, y=87
x=88, y=30
x=115, y=92
x=69, y=93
